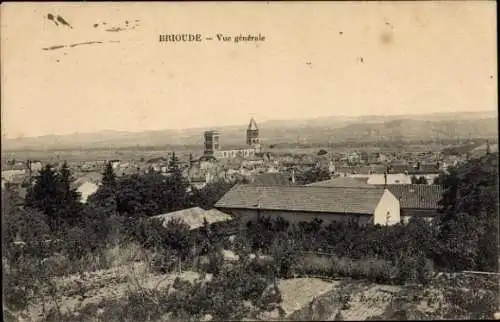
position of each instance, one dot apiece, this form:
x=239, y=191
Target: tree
x=53, y=195
x=313, y=175
x=105, y=196
x=69, y=202
x=283, y=253
x=24, y=235
x=177, y=185
x=177, y=237
x=109, y=176
x=207, y=196
x=469, y=207
x=419, y=180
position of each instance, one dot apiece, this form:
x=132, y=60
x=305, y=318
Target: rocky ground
x=302, y=298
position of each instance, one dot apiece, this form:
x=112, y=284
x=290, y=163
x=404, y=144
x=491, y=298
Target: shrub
x=374, y=270
x=215, y=262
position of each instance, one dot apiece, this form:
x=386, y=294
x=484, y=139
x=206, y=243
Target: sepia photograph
x=249, y=161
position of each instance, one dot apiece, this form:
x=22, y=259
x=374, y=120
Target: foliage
x=105, y=196
x=177, y=186
x=379, y=271
x=470, y=213
x=472, y=303
x=419, y=180
x=207, y=196
x=283, y=253
x=223, y=296
x=53, y=195
x=315, y=174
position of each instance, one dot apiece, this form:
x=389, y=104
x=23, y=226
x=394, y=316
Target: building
x=379, y=179
x=416, y=200
x=16, y=176
x=86, y=189
x=253, y=139
x=273, y=179
x=213, y=146
x=305, y=203
x=342, y=182
x=194, y=217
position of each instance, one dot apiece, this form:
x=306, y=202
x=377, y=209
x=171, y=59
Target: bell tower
x=212, y=144
x=253, y=139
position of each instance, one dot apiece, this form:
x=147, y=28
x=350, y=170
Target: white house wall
x=387, y=211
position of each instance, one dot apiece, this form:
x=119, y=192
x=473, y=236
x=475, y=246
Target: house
x=304, y=203
x=341, y=182
x=417, y=200
x=35, y=166
x=14, y=175
x=380, y=179
x=115, y=164
x=273, y=179
x=86, y=189
x=194, y=217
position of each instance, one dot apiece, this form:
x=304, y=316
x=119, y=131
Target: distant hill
x=317, y=130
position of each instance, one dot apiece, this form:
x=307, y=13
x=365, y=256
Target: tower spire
x=252, y=126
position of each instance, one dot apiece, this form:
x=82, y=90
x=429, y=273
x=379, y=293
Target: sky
x=317, y=59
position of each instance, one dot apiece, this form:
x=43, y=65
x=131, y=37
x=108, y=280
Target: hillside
x=317, y=130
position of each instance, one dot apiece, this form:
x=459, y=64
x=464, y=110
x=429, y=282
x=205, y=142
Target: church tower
x=253, y=139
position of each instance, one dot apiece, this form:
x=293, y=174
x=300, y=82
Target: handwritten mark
x=127, y=26
x=115, y=29
x=361, y=59
x=63, y=22
x=54, y=47
x=51, y=17
x=77, y=44
x=86, y=43
x=58, y=20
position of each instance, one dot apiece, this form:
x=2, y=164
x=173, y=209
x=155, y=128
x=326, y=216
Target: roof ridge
x=309, y=186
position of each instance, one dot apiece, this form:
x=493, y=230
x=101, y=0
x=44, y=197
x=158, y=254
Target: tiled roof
x=303, y=198
x=417, y=196
x=400, y=168
x=341, y=182
x=271, y=179
x=194, y=217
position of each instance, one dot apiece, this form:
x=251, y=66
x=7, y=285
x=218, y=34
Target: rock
x=270, y=315
x=207, y=317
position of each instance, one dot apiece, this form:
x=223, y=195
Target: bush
x=470, y=303
x=378, y=271
x=215, y=262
